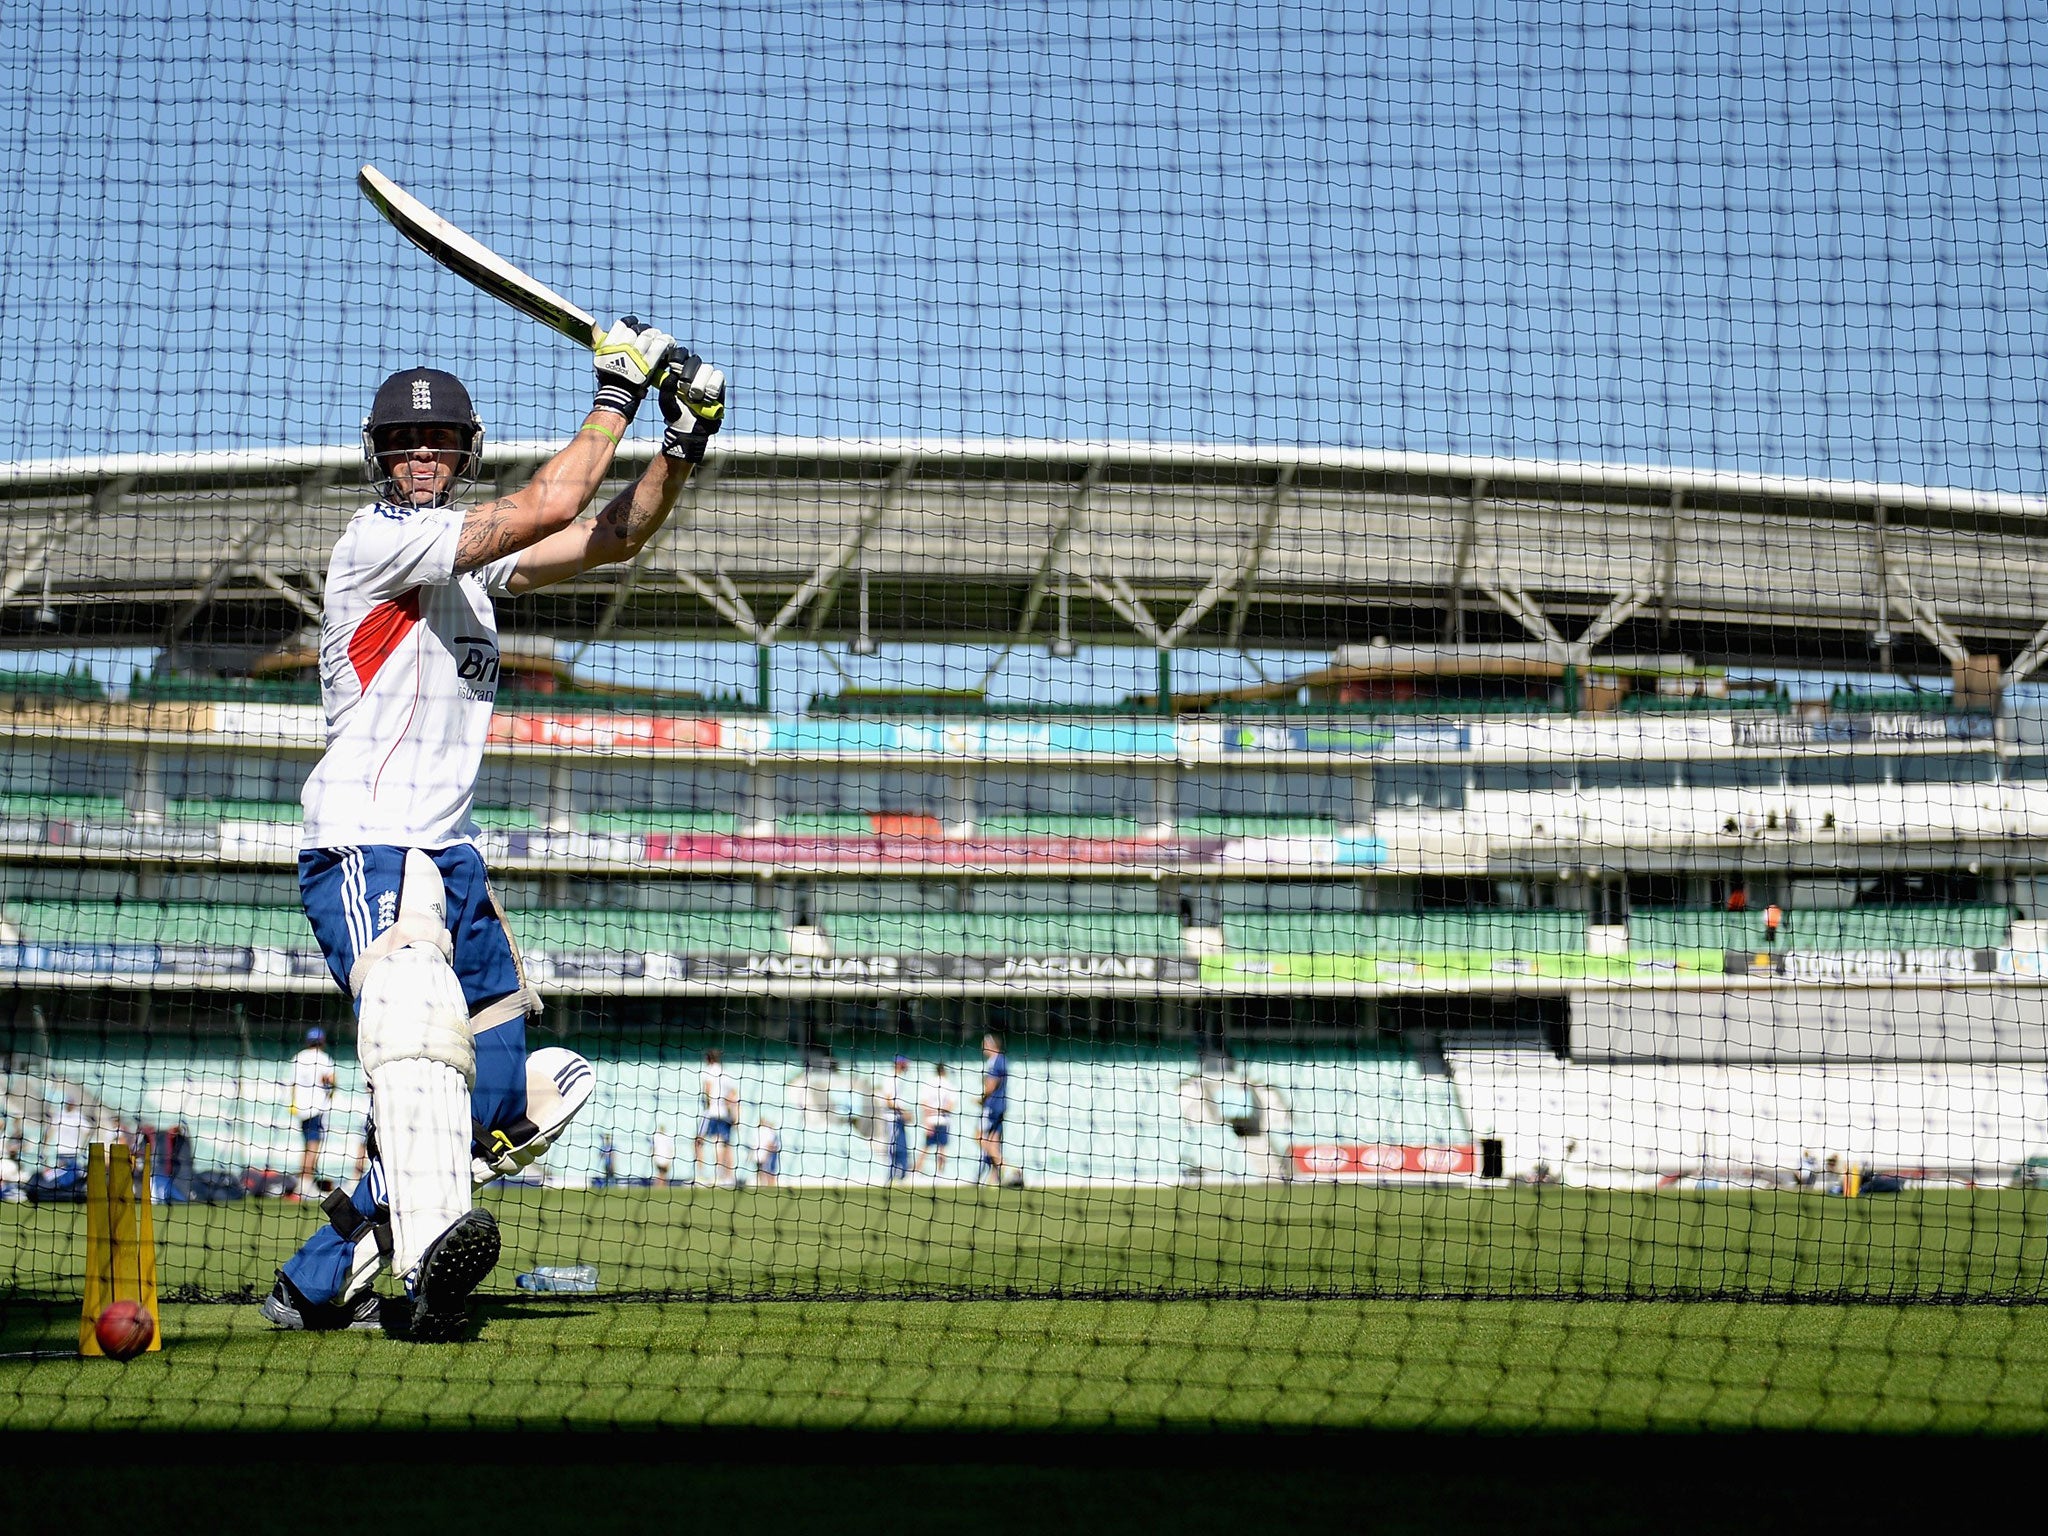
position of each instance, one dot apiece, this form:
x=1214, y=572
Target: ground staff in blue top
x=995, y=1103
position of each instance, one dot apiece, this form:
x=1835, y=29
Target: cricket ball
x=124, y=1330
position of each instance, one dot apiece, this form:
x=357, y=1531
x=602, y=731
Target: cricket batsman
x=388, y=868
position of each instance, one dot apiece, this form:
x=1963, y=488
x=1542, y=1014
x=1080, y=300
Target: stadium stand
x=1846, y=928
x=1346, y=933
x=969, y=933
x=1620, y=1124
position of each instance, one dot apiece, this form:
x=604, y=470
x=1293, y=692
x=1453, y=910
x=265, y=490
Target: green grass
x=1304, y=1240
x=1181, y=1309
x=1072, y=1365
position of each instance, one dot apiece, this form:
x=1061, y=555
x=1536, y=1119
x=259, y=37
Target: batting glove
x=693, y=401
x=629, y=355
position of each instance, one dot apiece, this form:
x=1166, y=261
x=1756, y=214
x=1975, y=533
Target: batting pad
x=420, y=1058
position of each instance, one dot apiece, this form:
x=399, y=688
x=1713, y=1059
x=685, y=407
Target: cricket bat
x=476, y=262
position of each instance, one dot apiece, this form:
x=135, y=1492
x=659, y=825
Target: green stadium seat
x=66, y=807
x=1059, y=826
x=660, y=821
x=234, y=810
x=507, y=818
x=827, y=824
x=1977, y=926
x=160, y=922
x=634, y=932
x=1256, y=826
x=991, y=933
x=1366, y=933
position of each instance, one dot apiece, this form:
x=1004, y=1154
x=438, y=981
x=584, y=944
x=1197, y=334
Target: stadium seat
x=65, y=807
x=1366, y=933
x=979, y=933
x=1844, y=928
x=632, y=932
x=705, y=822
x=1058, y=826
x=160, y=922
x=233, y=810
x=826, y=824
x=1256, y=826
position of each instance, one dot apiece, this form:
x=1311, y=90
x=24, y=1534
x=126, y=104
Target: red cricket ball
x=124, y=1329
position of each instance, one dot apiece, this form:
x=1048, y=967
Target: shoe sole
x=282, y=1314
x=454, y=1266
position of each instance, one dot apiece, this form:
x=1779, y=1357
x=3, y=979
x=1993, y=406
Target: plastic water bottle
x=578, y=1278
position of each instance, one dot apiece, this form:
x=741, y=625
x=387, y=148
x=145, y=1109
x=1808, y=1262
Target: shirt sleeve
x=389, y=552
x=497, y=576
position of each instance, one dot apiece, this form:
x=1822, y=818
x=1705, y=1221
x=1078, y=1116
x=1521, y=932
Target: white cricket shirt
x=408, y=675
x=718, y=1089
x=312, y=1077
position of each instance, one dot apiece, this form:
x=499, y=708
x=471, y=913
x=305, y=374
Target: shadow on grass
x=855, y=1482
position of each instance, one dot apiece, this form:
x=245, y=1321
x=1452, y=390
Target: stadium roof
x=1156, y=545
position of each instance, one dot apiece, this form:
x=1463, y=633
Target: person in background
x=70, y=1131
x=607, y=1162
x=767, y=1153
x=13, y=1177
x=896, y=1119
x=312, y=1101
x=721, y=1100
x=1774, y=919
x=935, y=1112
x=995, y=1104
x=663, y=1146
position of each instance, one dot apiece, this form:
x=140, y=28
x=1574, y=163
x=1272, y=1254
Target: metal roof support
x=290, y=593
x=1041, y=583
x=832, y=569
x=1461, y=562
x=1617, y=613
x=724, y=599
x=106, y=497
x=1667, y=556
x=1922, y=616
x=1117, y=594
x=1520, y=607
x=2029, y=660
x=253, y=536
x=1245, y=578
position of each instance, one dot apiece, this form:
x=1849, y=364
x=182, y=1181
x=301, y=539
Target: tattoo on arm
x=488, y=532
x=617, y=519
x=632, y=516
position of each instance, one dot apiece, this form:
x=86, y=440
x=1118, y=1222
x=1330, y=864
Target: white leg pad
x=420, y=1058
x=558, y=1084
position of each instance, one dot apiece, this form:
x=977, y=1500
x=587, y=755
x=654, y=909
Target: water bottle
x=580, y=1279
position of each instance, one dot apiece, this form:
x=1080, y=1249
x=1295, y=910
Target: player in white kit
x=389, y=871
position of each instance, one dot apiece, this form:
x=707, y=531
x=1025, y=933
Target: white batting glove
x=629, y=356
x=693, y=402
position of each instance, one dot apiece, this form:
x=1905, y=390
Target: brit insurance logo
x=422, y=395
x=476, y=667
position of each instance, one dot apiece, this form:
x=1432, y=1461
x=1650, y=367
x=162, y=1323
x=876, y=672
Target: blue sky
x=1781, y=237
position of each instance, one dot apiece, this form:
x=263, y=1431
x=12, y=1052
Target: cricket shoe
x=287, y=1307
x=454, y=1264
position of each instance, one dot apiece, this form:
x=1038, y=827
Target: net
x=1345, y=735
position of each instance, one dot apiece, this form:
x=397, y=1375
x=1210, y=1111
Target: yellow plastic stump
x=120, y=1241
